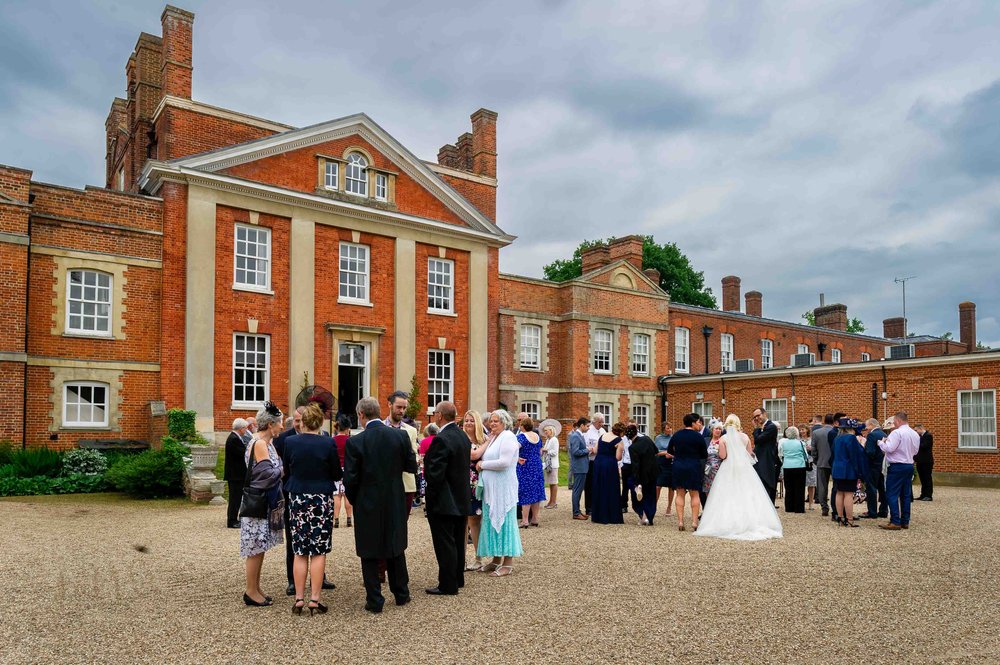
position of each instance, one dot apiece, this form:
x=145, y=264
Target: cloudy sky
x=805, y=146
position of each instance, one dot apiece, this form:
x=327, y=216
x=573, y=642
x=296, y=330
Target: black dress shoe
x=290, y=590
x=374, y=609
x=233, y=525
x=926, y=498
x=328, y=585
x=435, y=591
x=826, y=512
x=402, y=600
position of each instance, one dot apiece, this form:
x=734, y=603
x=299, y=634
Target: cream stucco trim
x=302, y=309
x=405, y=307
x=578, y=316
x=478, y=328
x=14, y=238
x=651, y=362
x=199, y=320
x=543, y=351
x=13, y=357
x=122, y=365
x=64, y=375
x=63, y=264
x=532, y=395
x=463, y=175
x=615, y=344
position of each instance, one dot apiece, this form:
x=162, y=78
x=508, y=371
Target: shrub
x=84, y=461
x=6, y=452
x=76, y=483
x=151, y=474
x=7, y=471
x=180, y=424
x=32, y=462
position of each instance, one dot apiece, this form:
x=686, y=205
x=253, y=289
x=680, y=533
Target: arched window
x=357, y=174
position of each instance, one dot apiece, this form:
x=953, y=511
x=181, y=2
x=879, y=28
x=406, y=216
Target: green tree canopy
x=855, y=325
x=677, y=277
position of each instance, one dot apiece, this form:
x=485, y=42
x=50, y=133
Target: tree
x=947, y=335
x=677, y=277
x=855, y=325
x=413, y=411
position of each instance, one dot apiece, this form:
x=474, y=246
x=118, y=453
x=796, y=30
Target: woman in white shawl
x=498, y=536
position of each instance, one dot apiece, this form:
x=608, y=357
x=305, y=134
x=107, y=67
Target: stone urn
x=204, y=458
x=202, y=485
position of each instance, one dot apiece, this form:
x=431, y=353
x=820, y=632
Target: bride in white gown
x=738, y=506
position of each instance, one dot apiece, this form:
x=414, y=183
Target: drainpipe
x=885, y=394
x=722, y=380
x=27, y=310
x=792, y=419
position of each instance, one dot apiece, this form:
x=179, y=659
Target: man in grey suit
x=579, y=463
x=824, y=461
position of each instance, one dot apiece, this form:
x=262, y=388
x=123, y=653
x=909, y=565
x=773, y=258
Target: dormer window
x=357, y=174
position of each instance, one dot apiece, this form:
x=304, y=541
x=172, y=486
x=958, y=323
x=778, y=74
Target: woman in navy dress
x=690, y=451
x=607, y=507
x=530, y=476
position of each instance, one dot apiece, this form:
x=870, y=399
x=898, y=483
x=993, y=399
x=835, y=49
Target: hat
x=851, y=423
x=550, y=422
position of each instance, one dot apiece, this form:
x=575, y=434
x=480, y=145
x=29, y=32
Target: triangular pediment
x=621, y=274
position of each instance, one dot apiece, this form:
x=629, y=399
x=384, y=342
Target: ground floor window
x=777, y=411
x=640, y=414
x=85, y=404
x=977, y=419
x=604, y=408
x=440, y=377
x=251, y=367
x=703, y=409
x=533, y=409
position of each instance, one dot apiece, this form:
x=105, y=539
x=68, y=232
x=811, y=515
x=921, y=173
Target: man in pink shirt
x=900, y=448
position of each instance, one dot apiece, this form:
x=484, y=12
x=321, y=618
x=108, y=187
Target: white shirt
x=591, y=437
x=625, y=456
x=552, y=450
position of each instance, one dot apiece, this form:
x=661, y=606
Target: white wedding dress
x=738, y=507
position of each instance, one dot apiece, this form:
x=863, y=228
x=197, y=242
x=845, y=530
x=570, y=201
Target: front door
x=352, y=377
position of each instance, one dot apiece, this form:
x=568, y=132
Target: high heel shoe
x=247, y=600
x=296, y=608
x=319, y=607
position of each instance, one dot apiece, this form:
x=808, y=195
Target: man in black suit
x=235, y=470
x=446, y=471
x=765, y=442
x=374, y=462
x=924, y=461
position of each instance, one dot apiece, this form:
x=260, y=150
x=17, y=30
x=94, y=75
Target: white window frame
x=356, y=180
x=727, y=359
x=775, y=407
x=440, y=378
x=991, y=401
x=866, y=357
x=533, y=409
x=604, y=349
x=803, y=348
x=640, y=414
x=363, y=284
x=84, y=302
x=699, y=408
x=682, y=351
x=331, y=175
x=640, y=355
x=66, y=422
x=835, y=356
x=381, y=187
x=442, y=290
x=766, y=354
x=531, y=346
x=254, y=403
x=257, y=231
x=605, y=409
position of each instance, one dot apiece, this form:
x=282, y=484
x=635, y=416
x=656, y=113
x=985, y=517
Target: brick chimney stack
x=653, y=274
x=464, y=147
x=831, y=316
x=484, y=143
x=596, y=257
x=754, y=303
x=967, y=325
x=731, y=293
x=178, y=27
x=893, y=328
x=628, y=248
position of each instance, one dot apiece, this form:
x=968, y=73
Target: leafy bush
x=180, y=424
x=7, y=471
x=84, y=461
x=32, y=462
x=153, y=473
x=6, y=452
x=112, y=456
x=76, y=483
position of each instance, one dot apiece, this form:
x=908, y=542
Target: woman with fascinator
x=738, y=506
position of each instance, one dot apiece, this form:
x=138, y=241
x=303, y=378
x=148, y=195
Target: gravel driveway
x=99, y=579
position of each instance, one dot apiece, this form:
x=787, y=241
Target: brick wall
x=174, y=295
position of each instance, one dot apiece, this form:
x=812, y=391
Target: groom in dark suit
x=765, y=442
x=446, y=471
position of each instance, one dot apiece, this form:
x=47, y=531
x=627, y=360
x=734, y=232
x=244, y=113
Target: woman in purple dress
x=530, y=477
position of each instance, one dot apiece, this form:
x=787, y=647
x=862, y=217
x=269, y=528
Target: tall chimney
x=731, y=293
x=484, y=143
x=596, y=257
x=177, y=25
x=967, y=325
x=754, y=303
x=893, y=328
x=464, y=145
x=448, y=155
x=628, y=248
x=831, y=316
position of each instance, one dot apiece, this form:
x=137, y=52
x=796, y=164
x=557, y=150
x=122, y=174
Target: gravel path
x=76, y=588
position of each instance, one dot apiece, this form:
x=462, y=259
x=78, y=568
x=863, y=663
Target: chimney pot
x=831, y=316
x=754, y=303
x=596, y=257
x=628, y=248
x=483, y=159
x=731, y=293
x=177, y=27
x=894, y=328
x=967, y=325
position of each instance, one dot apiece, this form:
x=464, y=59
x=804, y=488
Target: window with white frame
x=381, y=187
x=777, y=411
x=88, y=302
x=703, y=409
x=977, y=419
x=531, y=346
x=251, y=369
x=640, y=414
x=604, y=408
x=728, y=363
x=640, y=354
x=354, y=270
x=253, y=257
x=85, y=404
x=331, y=176
x=835, y=355
x=865, y=357
x=766, y=354
x=803, y=348
x=357, y=174
x=533, y=409
x=440, y=285
x=602, y=351
x=440, y=377
x=682, y=350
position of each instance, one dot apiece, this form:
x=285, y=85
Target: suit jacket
x=374, y=462
x=446, y=470
x=644, y=465
x=872, y=451
x=765, y=442
x=821, y=447
x=579, y=458
x=925, y=454
x=235, y=465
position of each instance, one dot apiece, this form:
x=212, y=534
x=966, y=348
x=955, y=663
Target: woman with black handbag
x=795, y=461
x=261, y=525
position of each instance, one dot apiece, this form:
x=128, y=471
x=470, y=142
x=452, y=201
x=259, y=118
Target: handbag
x=809, y=462
x=479, y=489
x=254, y=502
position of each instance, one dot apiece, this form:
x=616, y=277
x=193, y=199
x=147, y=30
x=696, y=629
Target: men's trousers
x=899, y=492
x=647, y=507
x=579, y=483
x=235, y=499
x=823, y=487
x=875, y=489
x=399, y=579
x=925, y=471
x=448, y=538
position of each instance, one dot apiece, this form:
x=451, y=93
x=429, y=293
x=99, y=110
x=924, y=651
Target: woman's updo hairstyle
x=618, y=429
x=312, y=417
x=733, y=420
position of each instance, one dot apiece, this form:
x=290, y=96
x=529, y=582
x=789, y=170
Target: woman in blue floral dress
x=530, y=476
x=713, y=462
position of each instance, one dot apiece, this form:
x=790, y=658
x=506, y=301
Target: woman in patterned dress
x=530, y=475
x=258, y=535
x=713, y=461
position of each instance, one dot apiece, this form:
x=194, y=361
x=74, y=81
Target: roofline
x=218, y=112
